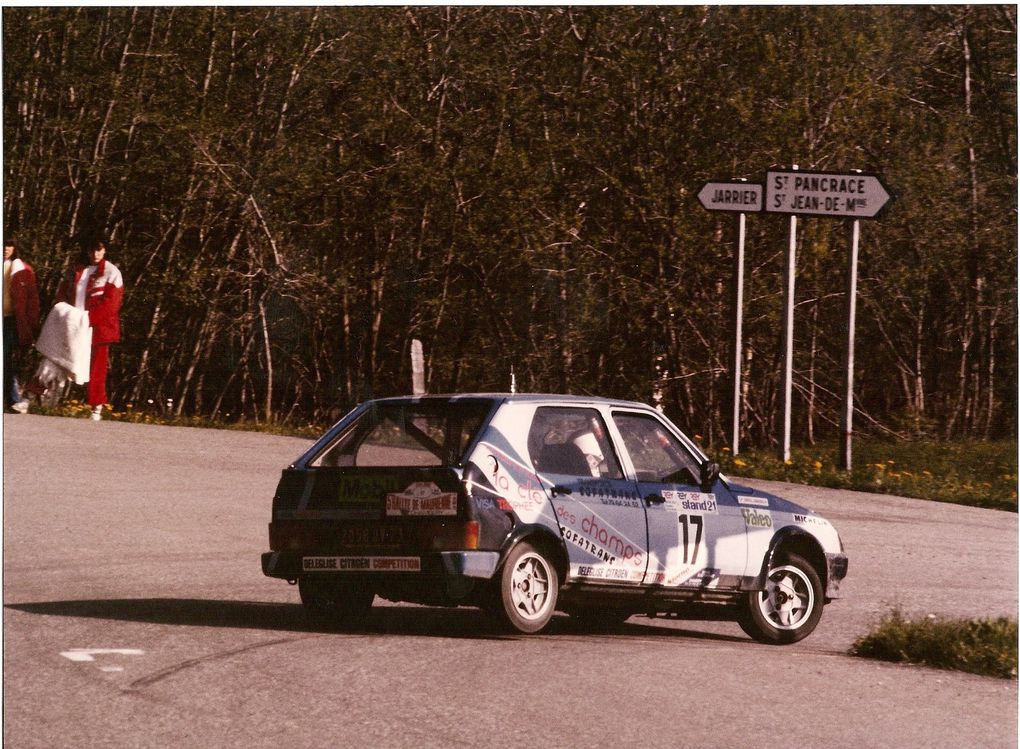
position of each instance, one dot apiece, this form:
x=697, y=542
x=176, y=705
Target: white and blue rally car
x=523, y=505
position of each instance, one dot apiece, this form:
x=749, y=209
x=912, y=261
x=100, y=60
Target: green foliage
x=980, y=474
x=295, y=193
x=986, y=646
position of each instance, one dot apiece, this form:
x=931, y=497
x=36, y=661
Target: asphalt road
x=136, y=615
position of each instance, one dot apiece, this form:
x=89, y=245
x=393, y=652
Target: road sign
x=854, y=195
x=744, y=197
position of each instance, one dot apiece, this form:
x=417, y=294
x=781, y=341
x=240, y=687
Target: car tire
x=789, y=608
x=334, y=604
x=528, y=589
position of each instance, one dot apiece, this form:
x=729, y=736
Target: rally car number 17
x=524, y=505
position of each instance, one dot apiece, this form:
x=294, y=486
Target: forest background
x=294, y=194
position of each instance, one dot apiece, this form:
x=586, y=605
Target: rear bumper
x=470, y=564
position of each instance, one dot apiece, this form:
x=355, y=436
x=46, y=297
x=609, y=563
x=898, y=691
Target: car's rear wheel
x=528, y=588
x=789, y=608
x=334, y=604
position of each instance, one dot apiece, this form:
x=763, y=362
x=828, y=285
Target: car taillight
x=460, y=535
x=290, y=536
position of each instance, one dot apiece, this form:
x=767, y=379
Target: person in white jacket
x=76, y=337
x=97, y=286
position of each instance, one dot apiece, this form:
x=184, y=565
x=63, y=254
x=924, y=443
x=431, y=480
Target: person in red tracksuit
x=21, y=318
x=96, y=285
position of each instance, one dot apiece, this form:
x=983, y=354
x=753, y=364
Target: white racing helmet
x=587, y=443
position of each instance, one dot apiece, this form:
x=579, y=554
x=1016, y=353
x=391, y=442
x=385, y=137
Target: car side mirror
x=709, y=475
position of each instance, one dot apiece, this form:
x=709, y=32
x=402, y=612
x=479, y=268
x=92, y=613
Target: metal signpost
x=830, y=195
x=855, y=196
x=789, y=302
x=733, y=195
x=742, y=197
x=846, y=414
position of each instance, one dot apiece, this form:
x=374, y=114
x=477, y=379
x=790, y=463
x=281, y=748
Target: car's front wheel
x=334, y=604
x=789, y=608
x=528, y=589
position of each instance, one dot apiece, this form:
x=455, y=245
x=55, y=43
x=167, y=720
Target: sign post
x=738, y=333
x=789, y=301
x=846, y=421
x=795, y=193
x=831, y=195
x=741, y=197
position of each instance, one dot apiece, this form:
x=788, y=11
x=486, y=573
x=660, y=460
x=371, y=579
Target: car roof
x=516, y=398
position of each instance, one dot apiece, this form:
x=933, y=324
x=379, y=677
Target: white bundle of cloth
x=66, y=345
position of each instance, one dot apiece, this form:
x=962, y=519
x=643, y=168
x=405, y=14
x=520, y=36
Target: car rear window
x=434, y=433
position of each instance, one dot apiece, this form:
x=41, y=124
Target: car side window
x=406, y=434
x=572, y=442
x=657, y=455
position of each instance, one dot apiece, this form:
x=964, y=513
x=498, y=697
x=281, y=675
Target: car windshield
x=429, y=433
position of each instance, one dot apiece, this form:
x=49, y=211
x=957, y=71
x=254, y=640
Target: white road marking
x=84, y=655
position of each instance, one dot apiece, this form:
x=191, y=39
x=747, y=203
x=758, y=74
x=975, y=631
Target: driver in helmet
x=589, y=445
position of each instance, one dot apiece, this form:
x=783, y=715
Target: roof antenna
x=513, y=380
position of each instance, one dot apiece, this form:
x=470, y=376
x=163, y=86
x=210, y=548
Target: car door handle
x=560, y=489
x=654, y=499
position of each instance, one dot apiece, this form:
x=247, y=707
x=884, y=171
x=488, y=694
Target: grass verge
x=78, y=410
x=986, y=646
x=979, y=474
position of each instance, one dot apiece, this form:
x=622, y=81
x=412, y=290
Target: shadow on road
x=383, y=620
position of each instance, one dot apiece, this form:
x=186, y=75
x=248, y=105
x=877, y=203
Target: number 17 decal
x=699, y=523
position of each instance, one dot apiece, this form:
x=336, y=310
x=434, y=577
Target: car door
x=599, y=512
x=695, y=538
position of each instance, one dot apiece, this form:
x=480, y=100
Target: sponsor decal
x=361, y=564
x=395, y=564
x=706, y=578
x=752, y=501
x=487, y=503
x=691, y=502
x=599, y=541
x=519, y=487
x=581, y=542
x=620, y=501
x=421, y=498
x=810, y=520
x=603, y=573
x=678, y=577
x=757, y=519
x=673, y=578
x=365, y=490
x=605, y=493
